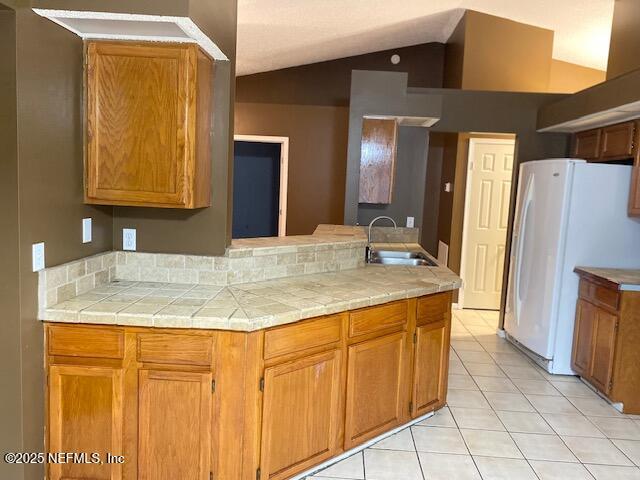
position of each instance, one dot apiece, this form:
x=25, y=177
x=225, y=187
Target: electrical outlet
x=86, y=230
x=128, y=238
x=37, y=256
x=410, y=222
x=447, y=187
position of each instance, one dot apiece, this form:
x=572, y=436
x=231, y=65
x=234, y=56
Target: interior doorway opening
x=260, y=186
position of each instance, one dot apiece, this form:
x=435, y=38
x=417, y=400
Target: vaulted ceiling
x=275, y=34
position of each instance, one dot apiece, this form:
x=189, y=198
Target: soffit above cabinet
x=138, y=27
x=613, y=101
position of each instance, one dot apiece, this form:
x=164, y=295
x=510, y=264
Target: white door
x=485, y=224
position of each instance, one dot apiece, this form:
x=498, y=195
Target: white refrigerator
x=568, y=213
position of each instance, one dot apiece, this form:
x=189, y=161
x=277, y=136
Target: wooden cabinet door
x=375, y=387
x=148, y=121
x=430, y=370
x=587, y=144
x=583, y=338
x=85, y=415
x=634, y=193
x=377, y=160
x=617, y=141
x=174, y=425
x=302, y=414
x=604, y=340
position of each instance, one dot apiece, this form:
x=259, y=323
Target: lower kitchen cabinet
x=200, y=404
x=605, y=342
x=85, y=415
x=301, y=414
x=375, y=387
x=174, y=425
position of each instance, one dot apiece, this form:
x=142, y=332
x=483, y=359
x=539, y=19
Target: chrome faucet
x=369, y=234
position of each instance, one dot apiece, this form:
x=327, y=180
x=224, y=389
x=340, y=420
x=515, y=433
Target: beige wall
x=493, y=53
x=504, y=55
x=625, y=38
x=570, y=78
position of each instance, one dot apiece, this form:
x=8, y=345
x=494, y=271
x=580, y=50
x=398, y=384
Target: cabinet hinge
x=415, y=338
x=258, y=474
x=262, y=384
x=411, y=406
x=213, y=386
x=210, y=475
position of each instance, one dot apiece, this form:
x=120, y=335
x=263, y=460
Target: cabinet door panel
x=137, y=122
x=583, y=338
x=617, y=140
x=430, y=367
x=302, y=412
x=377, y=160
x=375, y=387
x=587, y=144
x=174, y=434
x=85, y=415
x=604, y=338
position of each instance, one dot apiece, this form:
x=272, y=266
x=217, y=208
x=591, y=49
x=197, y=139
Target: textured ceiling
x=275, y=34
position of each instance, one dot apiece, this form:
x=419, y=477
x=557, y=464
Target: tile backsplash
x=244, y=262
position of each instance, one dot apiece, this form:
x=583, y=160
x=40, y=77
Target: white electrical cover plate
x=37, y=256
x=129, y=239
x=86, y=230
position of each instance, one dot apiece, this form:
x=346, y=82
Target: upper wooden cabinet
x=618, y=141
x=149, y=109
x=378, y=160
x=586, y=145
x=615, y=142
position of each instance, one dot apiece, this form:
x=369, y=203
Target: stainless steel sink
x=408, y=258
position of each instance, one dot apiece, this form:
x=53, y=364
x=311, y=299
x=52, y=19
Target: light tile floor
x=505, y=419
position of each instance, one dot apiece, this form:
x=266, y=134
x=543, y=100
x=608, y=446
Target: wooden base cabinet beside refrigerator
x=605, y=341
x=266, y=405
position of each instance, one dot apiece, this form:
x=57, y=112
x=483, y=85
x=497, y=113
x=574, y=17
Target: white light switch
x=37, y=256
x=447, y=187
x=86, y=230
x=410, y=222
x=128, y=238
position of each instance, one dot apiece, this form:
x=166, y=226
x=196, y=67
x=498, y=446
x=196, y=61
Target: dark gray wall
x=411, y=169
x=386, y=93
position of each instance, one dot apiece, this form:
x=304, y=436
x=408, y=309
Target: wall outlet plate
x=129, y=239
x=410, y=222
x=37, y=256
x=86, y=230
x=447, y=187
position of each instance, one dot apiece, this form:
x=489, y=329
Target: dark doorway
x=256, y=189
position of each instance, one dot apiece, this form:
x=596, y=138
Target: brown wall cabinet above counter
x=149, y=110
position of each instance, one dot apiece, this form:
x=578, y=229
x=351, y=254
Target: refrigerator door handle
x=528, y=199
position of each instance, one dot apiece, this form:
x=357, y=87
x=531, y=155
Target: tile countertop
x=626, y=279
x=251, y=306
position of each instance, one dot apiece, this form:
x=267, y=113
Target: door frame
x=467, y=201
x=284, y=173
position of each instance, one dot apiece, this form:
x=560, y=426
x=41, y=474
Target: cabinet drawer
x=377, y=318
x=175, y=349
x=303, y=336
x=599, y=295
x=79, y=341
x=433, y=308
